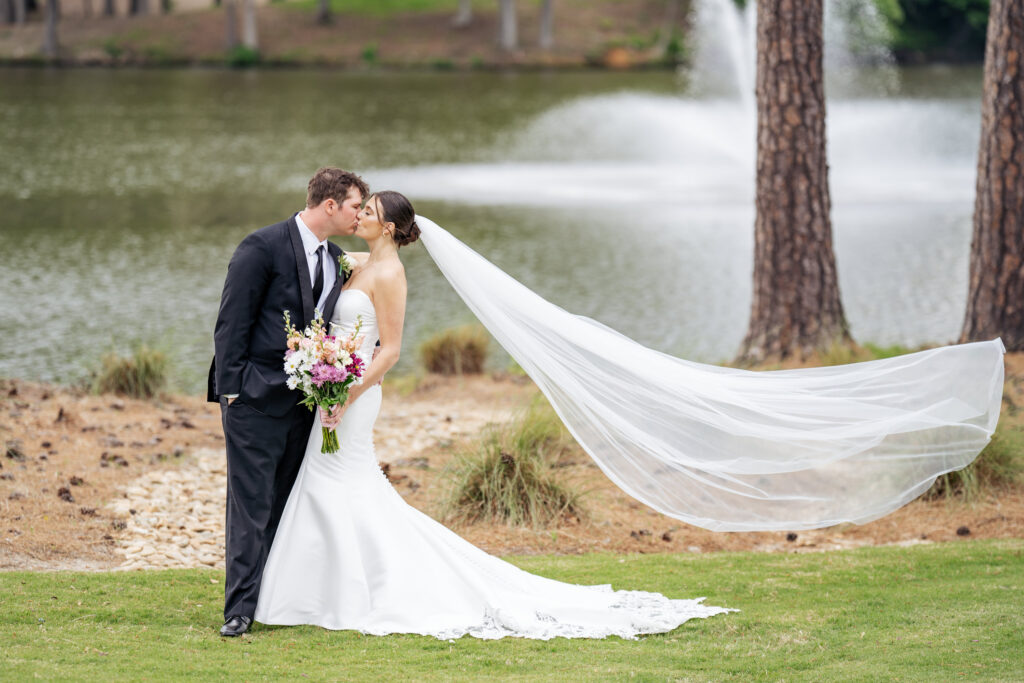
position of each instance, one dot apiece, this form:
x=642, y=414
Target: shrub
x=113, y=49
x=369, y=54
x=509, y=475
x=140, y=375
x=241, y=56
x=457, y=351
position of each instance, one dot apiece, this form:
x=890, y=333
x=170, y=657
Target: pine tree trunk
x=250, y=31
x=19, y=11
x=547, y=25
x=109, y=9
x=50, y=47
x=464, y=15
x=231, y=24
x=323, y=12
x=6, y=12
x=507, y=28
x=995, y=298
x=141, y=7
x=796, y=308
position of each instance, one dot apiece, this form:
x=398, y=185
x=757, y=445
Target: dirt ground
x=69, y=454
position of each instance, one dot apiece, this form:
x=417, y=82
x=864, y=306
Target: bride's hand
x=331, y=419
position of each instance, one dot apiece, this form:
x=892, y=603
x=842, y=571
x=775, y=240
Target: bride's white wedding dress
x=350, y=553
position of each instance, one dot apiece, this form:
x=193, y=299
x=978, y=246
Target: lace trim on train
x=650, y=613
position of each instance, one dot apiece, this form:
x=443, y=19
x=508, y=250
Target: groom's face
x=343, y=221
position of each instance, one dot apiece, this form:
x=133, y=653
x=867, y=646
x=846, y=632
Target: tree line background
x=922, y=30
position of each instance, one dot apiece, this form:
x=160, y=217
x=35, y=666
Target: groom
x=288, y=266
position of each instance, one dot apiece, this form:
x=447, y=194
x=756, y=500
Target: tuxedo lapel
x=302, y=268
x=335, y=251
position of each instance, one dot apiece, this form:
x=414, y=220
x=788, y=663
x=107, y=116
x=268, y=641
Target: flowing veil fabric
x=737, y=450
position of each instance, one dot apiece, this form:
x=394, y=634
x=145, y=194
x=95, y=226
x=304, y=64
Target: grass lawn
x=931, y=612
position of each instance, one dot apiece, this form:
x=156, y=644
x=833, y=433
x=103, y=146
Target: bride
x=721, y=448
x=350, y=553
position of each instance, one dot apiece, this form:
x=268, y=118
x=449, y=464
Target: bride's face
x=369, y=225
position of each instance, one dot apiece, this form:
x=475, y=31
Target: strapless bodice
x=353, y=305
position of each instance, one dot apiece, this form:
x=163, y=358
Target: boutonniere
x=345, y=264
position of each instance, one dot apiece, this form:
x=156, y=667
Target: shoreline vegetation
x=483, y=452
x=411, y=35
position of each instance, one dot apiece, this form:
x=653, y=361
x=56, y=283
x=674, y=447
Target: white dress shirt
x=310, y=244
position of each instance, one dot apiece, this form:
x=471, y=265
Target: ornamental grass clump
x=998, y=465
x=512, y=475
x=456, y=351
x=141, y=375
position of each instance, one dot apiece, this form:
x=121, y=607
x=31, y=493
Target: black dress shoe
x=235, y=626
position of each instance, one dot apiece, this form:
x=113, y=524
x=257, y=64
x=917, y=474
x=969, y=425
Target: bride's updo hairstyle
x=395, y=208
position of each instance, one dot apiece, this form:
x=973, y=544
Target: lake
x=625, y=197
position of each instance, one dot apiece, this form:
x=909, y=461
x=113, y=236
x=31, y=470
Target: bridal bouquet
x=323, y=367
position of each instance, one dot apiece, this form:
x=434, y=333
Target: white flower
x=293, y=382
x=291, y=364
x=346, y=263
x=344, y=358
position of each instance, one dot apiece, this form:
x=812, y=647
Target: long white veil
x=736, y=450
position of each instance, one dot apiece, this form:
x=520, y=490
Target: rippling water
x=618, y=196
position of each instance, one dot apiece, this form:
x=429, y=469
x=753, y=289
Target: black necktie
x=318, y=283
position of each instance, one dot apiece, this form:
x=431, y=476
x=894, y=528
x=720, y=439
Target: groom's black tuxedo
x=267, y=276
x=265, y=430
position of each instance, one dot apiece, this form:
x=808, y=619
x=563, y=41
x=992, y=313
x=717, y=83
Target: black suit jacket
x=268, y=275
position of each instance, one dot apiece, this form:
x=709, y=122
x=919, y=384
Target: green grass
x=926, y=613
x=387, y=7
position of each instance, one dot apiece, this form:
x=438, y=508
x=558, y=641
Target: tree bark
x=796, y=309
x=250, y=31
x=547, y=25
x=19, y=11
x=995, y=298
x=464, y=15
x=140, y=7
x=508, y=38
x=323, y=12
x=6, y=12
x=230, y=24
x=50, y=47
x=109, y=9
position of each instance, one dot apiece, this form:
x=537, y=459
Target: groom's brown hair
x=333, y=183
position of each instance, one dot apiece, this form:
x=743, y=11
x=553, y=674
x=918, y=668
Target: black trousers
x=263, y=456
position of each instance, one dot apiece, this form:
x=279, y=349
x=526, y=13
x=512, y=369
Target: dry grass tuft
x=510, y=476
x=456, y=351
x=141, y=375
